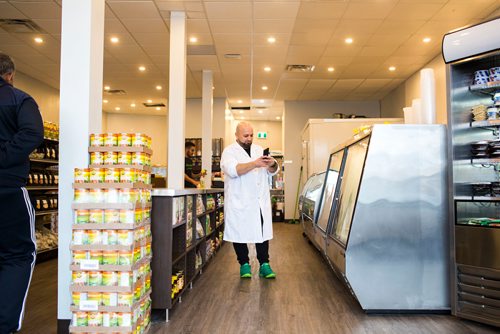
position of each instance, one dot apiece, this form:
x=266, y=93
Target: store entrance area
x=306, y=297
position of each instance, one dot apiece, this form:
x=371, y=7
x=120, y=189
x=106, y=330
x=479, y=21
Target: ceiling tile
x=375, y=83
x=224, y=10
x=39, y=10
x=268, y=54
x=9, y=39
x=275, y=10
x=232, y=26
x=312, y=25
x=304, y=54
x=389, y=27
x=152, y=38
x=356, y=71
x=460, y=9
x=114, y=26
x=145, y=25
x=375, y=10
x=342, y=51
x=232, y=39
x=282, y=40
x=376, y=51
x=8, y=11
x=321, y=10
x=346, y=84
x=197, y=26
x=394, y=39
x=199, y=63
x=353, y=27
x=134, y=9
x=273, y=26
x=311, y=38
x=290, y=89
x=223, y=48
x=52, y=26
x=414, y=11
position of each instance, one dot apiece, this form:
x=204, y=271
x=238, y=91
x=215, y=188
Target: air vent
x=153, y=105
x=200, y=50
x=260, y=108
x=21, y=26
x=300, y=68
x=116, y=92
x=240, y=108
x=236, y=56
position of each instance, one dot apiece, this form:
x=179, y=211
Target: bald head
x=244, y=134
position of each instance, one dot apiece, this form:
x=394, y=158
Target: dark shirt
x=21, y=131
x=248, y=151
x=188, y=170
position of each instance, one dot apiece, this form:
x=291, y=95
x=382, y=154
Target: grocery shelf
x=104, y=206
x=121, y=309
x=42, y=188
x=179, y=225
x=139, y=243
x=132, y=149
x=113, y=226
x=205, y=213
x=86, y=288
x=477, y=198
x=115, y=267
x=139, y=167
x=43, y=213
x=45, y=161
x=485, y=124
x=489, y=88
x=117, y=185
x=178, y=258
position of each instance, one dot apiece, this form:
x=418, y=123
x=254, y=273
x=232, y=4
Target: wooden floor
x=306, y=297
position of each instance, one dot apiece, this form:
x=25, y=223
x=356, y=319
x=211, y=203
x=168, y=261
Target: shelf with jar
x=111, y=244
x=185, y=226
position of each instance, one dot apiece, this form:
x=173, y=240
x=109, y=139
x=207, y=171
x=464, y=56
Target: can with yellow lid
x=97, y=175
x=96, y=255
x=110, y=257
x=76, y=297
x=125, y=279
x=139, y=140
x=110, y=158
x=110, y=139
x=138, y=158
x=125, y=237
x=112, y=175
x=127, y=216
x=97, y=158
x=128, y=175
x=81, y=195
x=126, y=258
x=80, y=319
x=93, y=237
x=79, y=278
x=80, y=237
x=78, y=256
x=124, y=158
x=110, y=299
x=82, y=216
x=95, y=278
x=81, y=175
x=111, y=216
x=109, y=237
x=125, y=299
x=96, y=216
x=96, y=196
x=96, y=140
x=124, y=139
x=109, y=278
x=95, y=319
x=94, y=296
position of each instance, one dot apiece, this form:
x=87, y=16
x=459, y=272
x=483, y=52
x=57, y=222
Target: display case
x=309, y=203
x=385, y=217
x=474, y=141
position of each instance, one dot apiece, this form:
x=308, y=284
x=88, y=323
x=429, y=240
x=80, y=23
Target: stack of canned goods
x=111, y=175
x=120, y=158
x=142, y=196
x=113, y=278
x=112, y=216
x=120, y=139
x=111, y=237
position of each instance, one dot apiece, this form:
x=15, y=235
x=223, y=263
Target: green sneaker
x=245, y=271
x=266, y=271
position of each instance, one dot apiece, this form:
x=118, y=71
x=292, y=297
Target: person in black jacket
x=21, y=131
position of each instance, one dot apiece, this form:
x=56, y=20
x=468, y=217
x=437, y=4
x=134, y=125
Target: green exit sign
x=262, y=135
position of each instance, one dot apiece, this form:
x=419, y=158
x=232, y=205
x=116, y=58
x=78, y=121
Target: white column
x=207, y=115
x=176, y=101
x=80, y=114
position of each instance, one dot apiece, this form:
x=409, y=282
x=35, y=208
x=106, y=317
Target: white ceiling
x=385, y=32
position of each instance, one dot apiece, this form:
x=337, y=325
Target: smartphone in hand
x=266, y=151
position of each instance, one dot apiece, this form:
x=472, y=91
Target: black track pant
x=17, y=255
x=261, y=248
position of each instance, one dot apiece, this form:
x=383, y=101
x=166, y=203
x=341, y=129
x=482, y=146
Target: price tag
x=89, y=264
x=89, y=305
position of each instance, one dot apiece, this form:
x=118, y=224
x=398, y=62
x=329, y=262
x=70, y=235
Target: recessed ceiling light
x=38, y=40
x=267, y=69
x=132, y=105
x=260, y=111
x=240, y=101
x=213, y=87
x=114, y=40
x=117, y=108
x=264, y=88
x=142, y=68
x=331, y=69
x=241, y=111
x=104, y=101
x=242, y=117
x=349, y=40
x=193, y=39
x=278, y=118
x=158, y=108
x=392, y=68
x=271, y=39
x=426, y=40
x=261, y=101
x=150, y=101
x=159, y=87
x=107, y=88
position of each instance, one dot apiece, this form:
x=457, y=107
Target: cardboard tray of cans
x=114, y=267
x=119, y=309
x=113, y=226
x=132, y=149
x=85, y=288
x=148, y=169
x=117, y=185
x=131, y=247
x=101, y=329
x=104, y=206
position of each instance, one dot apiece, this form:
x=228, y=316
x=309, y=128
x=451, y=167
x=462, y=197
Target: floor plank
x=306, y=297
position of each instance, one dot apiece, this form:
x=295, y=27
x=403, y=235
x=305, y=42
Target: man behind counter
x=191, y=180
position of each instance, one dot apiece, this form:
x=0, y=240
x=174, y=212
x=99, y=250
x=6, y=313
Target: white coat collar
x=253, y=149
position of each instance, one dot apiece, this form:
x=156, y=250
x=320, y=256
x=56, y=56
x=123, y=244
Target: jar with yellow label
x=112, y=175
x=148, y=249
x=127, y=216
x=96, y=216
x=110, y=299
x=97, y=158
x=95, y=319
x=82, y=216
x=96, y=140
x=81, y=195
x=95, y=278
x=81, y=175
x=124, y=158
x=138, y=216
x=78, y=256
x=111, y=216
x=96, y=255
x=137, y=254
x=93, y=237
x=110, y=319
x=112, y=196
x=110, y=158
x=139, y=140
x=80, y=237
x=138, y=158
x=76, y=297
x=80, y=319
x=109, y=278
x=79, y=278
x=110, y=139
x=96, y=175
x=109, y=237
x=110, y=257
x=125, y=279
x=96, y=196
x=124, y=139
x=125, y=299
x=126, y=258
x=128, y=175
x=125, y=237
x=94, y=296
x=148, y=282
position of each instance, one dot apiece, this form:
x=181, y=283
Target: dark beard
x=245, y=146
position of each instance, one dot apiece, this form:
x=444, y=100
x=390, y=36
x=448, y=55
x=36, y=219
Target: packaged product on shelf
x=80, y=319
x=148, y=249
x=138, y=215
x=78, y=256
x=96, y=216
x=96, y=255
x=128, y=175
x=76, y=297
x=110, y=319
x=109, y=237
x=111, y=216
x=110, y=158
x=97, y=175
x=94, y=278
x=112, y=196
x=80, y=237
x=125, y=299
x=112, y=175
x=96, y=140
x=95, y=319
x=200, y=208
x=139, y=140
x=94, y=297
x=124, y=139
x=82, y=175
x=125, y=237
x=200, y=233
x=127, y=216
x=94, y=237
x=125, y=278
x=124, y=319
x=109, y=278
x=110, y=139
x=97, y=158
x=126, y=258
x=139, y=158
x=95, y=196
x=79, y=278
x=81, y=195
x=124, y=158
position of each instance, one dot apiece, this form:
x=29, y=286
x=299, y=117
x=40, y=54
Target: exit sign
x=262, y=135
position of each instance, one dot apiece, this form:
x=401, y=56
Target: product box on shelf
x=111, y=241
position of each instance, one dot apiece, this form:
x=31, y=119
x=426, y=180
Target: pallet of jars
x=110, y=196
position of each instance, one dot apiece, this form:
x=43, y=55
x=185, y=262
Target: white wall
x=47, y=97
x=154, y=126
x=295, y=117
x=393, y=103
x=193, y=118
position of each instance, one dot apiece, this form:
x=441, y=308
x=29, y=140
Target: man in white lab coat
x=247, y=205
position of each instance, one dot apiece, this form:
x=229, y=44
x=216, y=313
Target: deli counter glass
x=385, y=218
